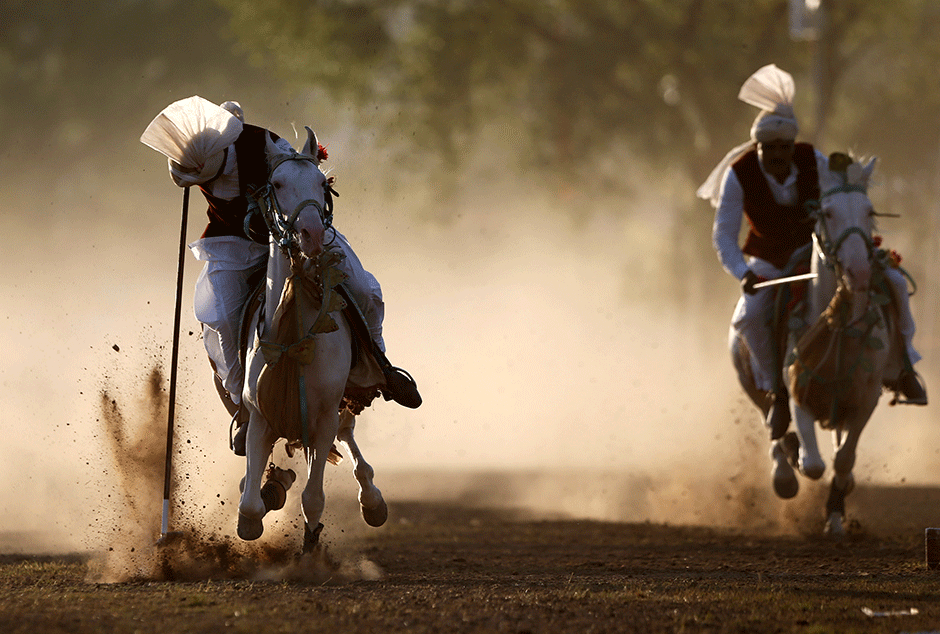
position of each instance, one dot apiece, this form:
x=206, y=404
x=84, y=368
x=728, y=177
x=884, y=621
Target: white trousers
x=753, y=313
x=222, y=291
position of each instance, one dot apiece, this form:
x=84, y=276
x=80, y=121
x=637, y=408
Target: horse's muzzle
x=310, y=233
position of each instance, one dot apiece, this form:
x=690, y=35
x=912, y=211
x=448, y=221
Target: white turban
x=193, y=134
x=771, y=90
x=780, y=124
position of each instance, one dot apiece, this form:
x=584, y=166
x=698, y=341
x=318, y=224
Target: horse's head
x=298, y=193
x=846, y=220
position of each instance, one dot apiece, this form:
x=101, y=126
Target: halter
x=280, y=223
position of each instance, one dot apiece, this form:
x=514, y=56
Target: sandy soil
x=475, y=565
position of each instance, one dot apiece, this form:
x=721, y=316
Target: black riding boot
x=778, y=417
x=909, y=385
x=399, y=386
x=240, y=439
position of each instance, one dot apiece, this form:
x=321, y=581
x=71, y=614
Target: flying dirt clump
x=192, y=553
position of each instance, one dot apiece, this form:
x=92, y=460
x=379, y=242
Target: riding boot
x=778, y=417
x=399, y=386
x=240, y=423
x=909, y=385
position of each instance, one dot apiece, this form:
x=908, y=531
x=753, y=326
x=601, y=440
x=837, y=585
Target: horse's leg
x=374, y=509
x=843, y=481
x=251, y=508
x=785, y=482
x=313, y=498
x=810, y=462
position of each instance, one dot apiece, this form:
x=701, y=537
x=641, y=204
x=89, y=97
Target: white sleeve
x=728, y=217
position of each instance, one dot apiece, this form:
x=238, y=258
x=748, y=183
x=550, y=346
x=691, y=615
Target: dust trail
x=135, y=433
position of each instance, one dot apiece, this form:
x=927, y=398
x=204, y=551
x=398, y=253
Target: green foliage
x=84, y=78
x=579, y=79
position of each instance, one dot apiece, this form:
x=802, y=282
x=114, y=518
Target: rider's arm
x=728, y=217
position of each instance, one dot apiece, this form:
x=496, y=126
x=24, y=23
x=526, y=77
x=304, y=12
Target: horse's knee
x=844, y=461
x=364, y=472
x=313, y=501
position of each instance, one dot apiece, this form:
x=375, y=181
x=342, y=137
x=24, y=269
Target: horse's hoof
x=375, y=516
x=334, y=457
x=311, y=538
x=274, y=490
x=786, y=485
x=834, y=527
x=791, y=448
x=812, y=470
x=249, y=529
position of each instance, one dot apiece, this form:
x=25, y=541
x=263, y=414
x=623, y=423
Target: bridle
x=280, y=223
x=843, y=326
x=827, y=247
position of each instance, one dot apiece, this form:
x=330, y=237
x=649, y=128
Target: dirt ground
x=465, y=566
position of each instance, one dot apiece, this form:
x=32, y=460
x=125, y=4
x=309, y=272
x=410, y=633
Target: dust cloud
x=562, y=368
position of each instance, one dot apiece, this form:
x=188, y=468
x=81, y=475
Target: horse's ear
x=270, y=147
x=312, y=146
x=868, y=169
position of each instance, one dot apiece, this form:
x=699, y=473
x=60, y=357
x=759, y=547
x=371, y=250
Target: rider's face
x=776, y=157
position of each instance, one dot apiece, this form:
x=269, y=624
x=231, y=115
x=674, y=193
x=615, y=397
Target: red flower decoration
x=876, y=240
x=895, y=258
x=321, y=153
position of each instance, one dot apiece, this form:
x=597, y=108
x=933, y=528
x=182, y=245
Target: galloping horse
x=850, y=348
x=300, y=348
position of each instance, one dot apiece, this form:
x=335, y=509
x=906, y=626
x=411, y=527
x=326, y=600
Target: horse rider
x=235, y=250
x=769, y=180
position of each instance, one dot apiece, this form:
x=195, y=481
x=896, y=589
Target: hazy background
x=521, y=181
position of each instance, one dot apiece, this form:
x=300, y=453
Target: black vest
x=776, y=230
x=227, y=217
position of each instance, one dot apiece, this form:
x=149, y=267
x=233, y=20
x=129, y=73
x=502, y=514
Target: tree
x=580, y=77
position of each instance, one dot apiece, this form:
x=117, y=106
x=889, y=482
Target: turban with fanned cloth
x=771, y=90
x=193, y=134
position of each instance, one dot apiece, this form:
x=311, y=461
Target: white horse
x=850, y=349
x=299, y=365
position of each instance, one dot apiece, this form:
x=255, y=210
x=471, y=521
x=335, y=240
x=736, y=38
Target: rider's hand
x=749, y=280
